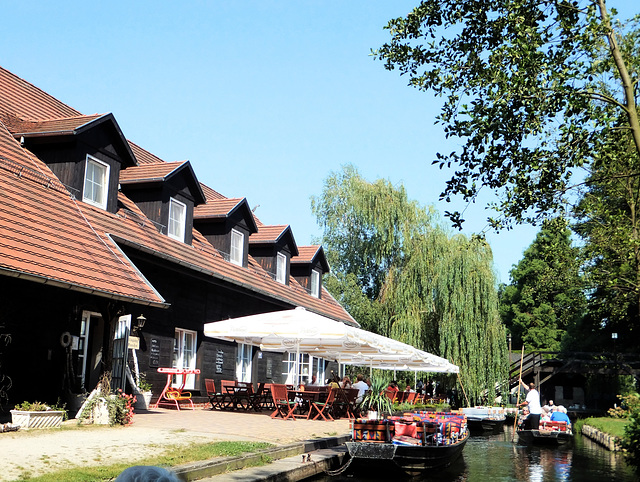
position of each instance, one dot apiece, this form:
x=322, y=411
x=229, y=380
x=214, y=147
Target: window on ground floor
x=184, y=356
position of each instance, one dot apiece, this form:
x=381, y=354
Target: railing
x=550, y=363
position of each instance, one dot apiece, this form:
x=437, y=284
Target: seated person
x=558, y=414
x=345, y=383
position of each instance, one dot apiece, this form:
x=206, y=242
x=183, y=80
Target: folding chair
x=216, y=399
x=410, y=398
x=321, y=407
x=258, y=398
x=284, y=406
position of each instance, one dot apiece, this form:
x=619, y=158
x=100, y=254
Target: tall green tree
x=546, y=294
x=526, y=92
x=402, y=275
x=608, y=220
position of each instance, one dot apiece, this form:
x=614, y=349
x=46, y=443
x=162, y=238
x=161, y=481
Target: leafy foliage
x=631, y=439
x=403, y=276
x=546, y=295
x=527, y=89
x=375, y=398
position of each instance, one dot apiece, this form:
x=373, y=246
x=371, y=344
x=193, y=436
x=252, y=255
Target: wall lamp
x=140, y=320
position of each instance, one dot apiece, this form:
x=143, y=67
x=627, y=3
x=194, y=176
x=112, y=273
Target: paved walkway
x=34, y=452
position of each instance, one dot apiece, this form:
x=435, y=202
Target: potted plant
x=37, y=415
x=143, y=395
x=375, y=402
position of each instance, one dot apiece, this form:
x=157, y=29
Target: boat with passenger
x=415, y=442
x=548, y=433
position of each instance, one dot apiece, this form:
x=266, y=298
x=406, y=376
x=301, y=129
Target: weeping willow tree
x=403, y=275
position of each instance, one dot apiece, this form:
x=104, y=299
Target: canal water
x=497, y=458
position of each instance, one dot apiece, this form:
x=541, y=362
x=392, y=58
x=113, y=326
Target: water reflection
x=497, y=458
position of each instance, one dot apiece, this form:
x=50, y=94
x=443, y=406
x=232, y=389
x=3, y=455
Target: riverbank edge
x=601, y=438
x=211, y=468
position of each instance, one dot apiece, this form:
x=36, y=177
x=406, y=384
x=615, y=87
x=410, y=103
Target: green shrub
x=628, y=404
x=631, y=439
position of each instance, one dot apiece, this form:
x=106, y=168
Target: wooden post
x=515, y=423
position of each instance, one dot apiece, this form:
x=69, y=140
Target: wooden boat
x=549, y=433
x=485, y=419
x=414, y=442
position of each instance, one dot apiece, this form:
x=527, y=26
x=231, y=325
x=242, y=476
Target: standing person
x=532, y=402
x=361, y=386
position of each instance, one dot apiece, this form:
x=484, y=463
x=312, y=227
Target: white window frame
x=236, y=255
x=185, y=345
x=99, y=188
x=315, y=283
x=305, y=361
x=243, y=362
x=281, y=268
x=176, y=226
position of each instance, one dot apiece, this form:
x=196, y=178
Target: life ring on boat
x=65, y=339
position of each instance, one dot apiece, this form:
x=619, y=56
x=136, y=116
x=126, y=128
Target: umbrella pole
x=297, y=364
x=515, y=423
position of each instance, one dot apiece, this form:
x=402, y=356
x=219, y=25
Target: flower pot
x=143, y=400
x=46, y=419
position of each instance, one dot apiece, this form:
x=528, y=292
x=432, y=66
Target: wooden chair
x=258, y=398
x=217, y=399
x=410, y=398
x=283, y=406
x=322, y=407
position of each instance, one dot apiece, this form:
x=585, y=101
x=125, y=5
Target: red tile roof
x=217, y=208
x=21, y=98
x=306, y=254
x=46, y=235
x=66, y=125
x=149, y=172
x=268, y=234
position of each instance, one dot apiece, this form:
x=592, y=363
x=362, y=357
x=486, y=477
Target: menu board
x=219, y=360
x=154, y=353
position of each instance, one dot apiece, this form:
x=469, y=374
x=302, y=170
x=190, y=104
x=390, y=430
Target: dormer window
x=177, y=219
x=237, y=247
x=315, y=283
x=281, y=269
x=96, y=182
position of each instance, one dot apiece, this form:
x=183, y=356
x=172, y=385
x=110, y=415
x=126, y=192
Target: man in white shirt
x=532, y=402
x=362, y=387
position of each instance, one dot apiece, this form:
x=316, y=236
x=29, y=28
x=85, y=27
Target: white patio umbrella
x=308, y=332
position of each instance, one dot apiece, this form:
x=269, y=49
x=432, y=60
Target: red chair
x=322, y=407
x=284, y=406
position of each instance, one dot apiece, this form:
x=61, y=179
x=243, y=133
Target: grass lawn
x=170, y=458
x=612, y=426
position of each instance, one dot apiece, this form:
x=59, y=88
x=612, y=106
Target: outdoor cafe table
x=238, y=393
x=304, y=399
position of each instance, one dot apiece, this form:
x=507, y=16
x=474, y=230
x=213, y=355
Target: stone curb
x=210, y=468
x=607, y=441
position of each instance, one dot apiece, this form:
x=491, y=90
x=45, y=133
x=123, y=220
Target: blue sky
x=264, y=98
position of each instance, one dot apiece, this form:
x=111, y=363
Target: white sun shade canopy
x=307, y=332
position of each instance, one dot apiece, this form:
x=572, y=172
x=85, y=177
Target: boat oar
x=515, y=423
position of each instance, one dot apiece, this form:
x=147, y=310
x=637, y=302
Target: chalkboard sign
x=269, y=368
x=154, y=353
x=219, y=360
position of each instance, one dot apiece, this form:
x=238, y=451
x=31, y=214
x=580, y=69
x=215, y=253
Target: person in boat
x=361, y=386
x=532, y=402
x=560, y=415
